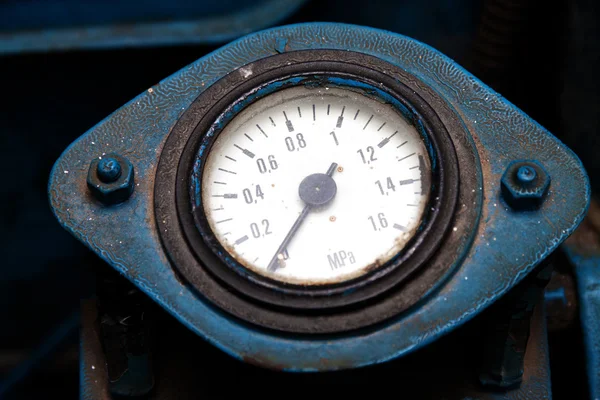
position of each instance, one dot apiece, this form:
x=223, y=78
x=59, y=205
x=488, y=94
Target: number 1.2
x=370, y=157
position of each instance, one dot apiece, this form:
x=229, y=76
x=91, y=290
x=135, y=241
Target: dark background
x=542, y=56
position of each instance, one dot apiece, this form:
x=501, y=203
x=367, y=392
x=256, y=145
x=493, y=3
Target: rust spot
x=340, y=169
x=373, y=266
x=229, y=247
x=263, y=362
x=332, y=218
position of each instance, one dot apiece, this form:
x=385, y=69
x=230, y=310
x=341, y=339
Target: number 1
x=335, y=138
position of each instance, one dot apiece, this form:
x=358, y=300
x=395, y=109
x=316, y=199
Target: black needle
x=315, y=190
x=274, y=264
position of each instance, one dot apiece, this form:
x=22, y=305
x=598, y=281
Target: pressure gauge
x=309, y=182
x=316, y=185
x=320, y=196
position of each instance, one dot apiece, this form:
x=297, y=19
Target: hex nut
x=525, y=184
x=111, y=192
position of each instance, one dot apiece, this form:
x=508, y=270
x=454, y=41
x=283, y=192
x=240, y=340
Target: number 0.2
x=256, y=231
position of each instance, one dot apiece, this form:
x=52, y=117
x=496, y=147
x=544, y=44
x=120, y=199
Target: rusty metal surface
x=508, y=245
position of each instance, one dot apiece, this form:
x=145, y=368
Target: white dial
x=315, y=186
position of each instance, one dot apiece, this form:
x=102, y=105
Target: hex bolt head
x=525, y=184
x=111, y=179
x=108, y=170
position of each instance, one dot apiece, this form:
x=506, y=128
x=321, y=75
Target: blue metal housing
x=584, y=252
x=506, y=247
x=588, y=287
x=58, y=25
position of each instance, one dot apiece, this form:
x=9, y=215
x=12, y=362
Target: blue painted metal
x=584, y=252
x=41, y=26
x=588, y=287
x=526, y=174
x=507, y=245
x=556, y=295
x=108, y=169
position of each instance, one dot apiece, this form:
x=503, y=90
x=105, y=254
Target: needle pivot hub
x=317, y=189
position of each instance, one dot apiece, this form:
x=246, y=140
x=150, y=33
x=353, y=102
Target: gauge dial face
x=315, y=186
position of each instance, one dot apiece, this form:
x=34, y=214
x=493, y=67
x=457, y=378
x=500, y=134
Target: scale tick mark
x=400, y=227
x=404, y=158
x=240, y=240
x=340, y=118
x=386, y=140
x=288, y=123
x=408, y=181
x=368, y=122
x=246, y=152
x=261, y=131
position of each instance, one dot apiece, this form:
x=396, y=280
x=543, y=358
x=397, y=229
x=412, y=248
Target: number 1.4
x=390, y=186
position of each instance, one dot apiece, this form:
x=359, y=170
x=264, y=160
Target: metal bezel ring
x=293, y=308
